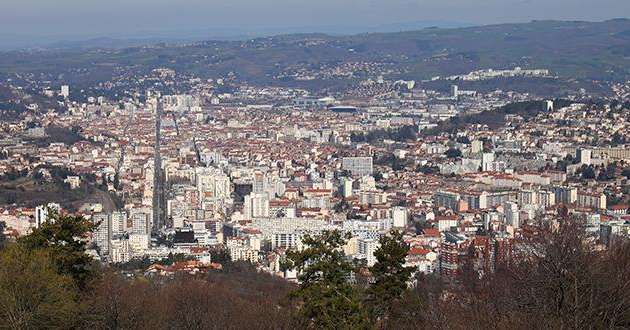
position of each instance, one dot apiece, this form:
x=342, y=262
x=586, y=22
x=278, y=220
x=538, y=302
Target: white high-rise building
x=399, y=217
x=42, y=213
x=140, y=223
x=512, y=217
x=346, y=187
x=119, y=222
x=584, y=155
x=138, y=242
x=213, y=181
x=256, y=206
x=366, y=248
x=120, y=251
x=259, y=183
x=487, y=160
x=103, y=232
x=454, y=91
x=65, y=91
x=476, y=146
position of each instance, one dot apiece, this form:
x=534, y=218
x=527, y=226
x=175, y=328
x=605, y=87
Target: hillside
x=583, y=50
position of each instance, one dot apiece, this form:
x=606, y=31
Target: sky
x=58, y=19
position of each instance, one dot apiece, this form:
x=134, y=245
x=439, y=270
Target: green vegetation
x=329, y=300
x=64, y=239
x=399, y=134
x=492, y=118
x=453, y=153
x=562, y=281
x=582, y=50
x=33, y=294
x=391, y=277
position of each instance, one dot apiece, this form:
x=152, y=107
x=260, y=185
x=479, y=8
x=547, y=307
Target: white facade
x=42, y=213
x=138, y=243
x=256, y=206
x=102, y=233
x=120, y=251
x=346, y=187
x=65, y=91
x=140, y=223
x=400, y=217
x=366, y=248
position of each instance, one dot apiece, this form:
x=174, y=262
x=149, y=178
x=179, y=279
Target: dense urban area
x=157, y=197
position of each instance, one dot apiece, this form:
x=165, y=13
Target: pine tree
x=328, y=299
x=390, y=275
x=64, y=238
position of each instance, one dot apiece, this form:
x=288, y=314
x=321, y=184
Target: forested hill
x=586, y=50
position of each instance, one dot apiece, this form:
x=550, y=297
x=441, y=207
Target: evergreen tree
x=3, y=237
x=329, y=300
x=64, y=237
x=453, y=153
x=390, y=275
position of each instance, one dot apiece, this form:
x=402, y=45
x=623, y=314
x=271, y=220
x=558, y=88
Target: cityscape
x=319, y=181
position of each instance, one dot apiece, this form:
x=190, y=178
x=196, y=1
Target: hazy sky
x=137, y=17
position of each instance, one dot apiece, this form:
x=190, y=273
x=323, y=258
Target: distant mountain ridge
x=570, y=49
x=16, y=42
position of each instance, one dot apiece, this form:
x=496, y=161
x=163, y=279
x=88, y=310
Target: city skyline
x=214, y=165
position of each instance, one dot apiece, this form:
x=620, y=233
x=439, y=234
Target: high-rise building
x=487, y=160
x=476, y=146
x=346, y=187
x=454, y=91
x=120, y=250
x=359, y=166
x=565, y=195
x=140, y=223
x=42, y=213
x=119, y=222
x=512, y=217
x=103, y=232
x=65, y=91
x=256, y=206
x=212, y=181
x=584, y=155
x=399, y=216
x=366, y=248
x=259, y=183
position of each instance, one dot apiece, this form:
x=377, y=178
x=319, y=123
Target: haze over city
x=40, y=22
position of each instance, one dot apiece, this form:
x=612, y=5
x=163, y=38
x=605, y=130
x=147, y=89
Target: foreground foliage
x=558, y=281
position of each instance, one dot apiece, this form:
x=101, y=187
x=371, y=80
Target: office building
x=358, y=166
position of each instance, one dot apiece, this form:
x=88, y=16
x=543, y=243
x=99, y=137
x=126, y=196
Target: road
x=158, y=180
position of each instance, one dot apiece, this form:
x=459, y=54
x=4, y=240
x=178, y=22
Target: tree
x=588, y=173
x=64, y=237
x=328, y=299
x=3, y=237
x=378, y=176
x=390, y=275
x=453, y=153
x=281, y=213
x=32, y=294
